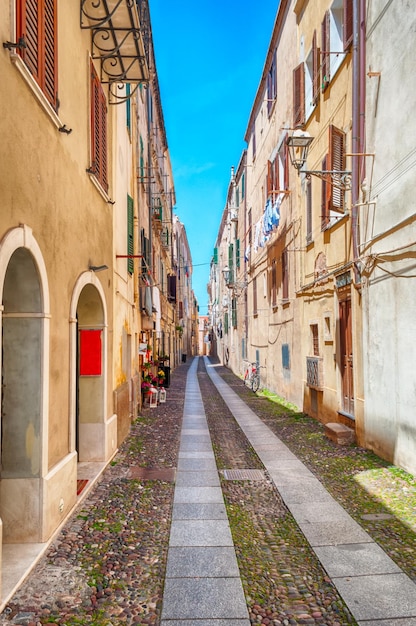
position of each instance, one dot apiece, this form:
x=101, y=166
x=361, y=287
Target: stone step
x=339, y=433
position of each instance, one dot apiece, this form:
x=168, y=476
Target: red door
x=346, y=356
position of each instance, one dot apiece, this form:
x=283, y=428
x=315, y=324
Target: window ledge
x=97, y=185
x=36, y=90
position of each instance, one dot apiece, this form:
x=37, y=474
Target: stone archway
x=93, y=432
x=24, y=392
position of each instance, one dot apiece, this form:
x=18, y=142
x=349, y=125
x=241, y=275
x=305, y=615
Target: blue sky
x=209, y=58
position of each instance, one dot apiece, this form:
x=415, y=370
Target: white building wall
x=388, y=235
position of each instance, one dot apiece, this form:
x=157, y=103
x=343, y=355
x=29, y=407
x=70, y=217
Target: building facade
x=86, y=254
x=323, y=251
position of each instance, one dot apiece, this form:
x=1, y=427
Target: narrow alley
x=222, y=508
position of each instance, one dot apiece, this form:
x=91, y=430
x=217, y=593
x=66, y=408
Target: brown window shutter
x=36, y=22
x=325, y=50
x=326, y=196
x=98, y=131
x=315, y=69
x=269, y=178
x=285, y=275
x=348, y=24
x=50, y=51
x=299, y=96
x=336, y=163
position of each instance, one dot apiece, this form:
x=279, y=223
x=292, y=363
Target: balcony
x=315, y=372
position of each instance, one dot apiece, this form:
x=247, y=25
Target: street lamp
x=298, y=146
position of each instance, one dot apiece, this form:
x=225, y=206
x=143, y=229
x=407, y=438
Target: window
x=273, y=285
x=98, y=131
x=336, y=37
x=231, y=262
x=333, y=196
x=234, y=312
x=254, y=141
x=336, y=158
x=315, y=339
x=278, y=172
x=299, y=96
x=226, y=323
x=285, y=276
x=348, y=24
x=325, y=196
x=36, y=23
x=255, y=311
x=237, y=253
x=312, y=78
x=308, y=211
x=271, y=86
x=130, y=235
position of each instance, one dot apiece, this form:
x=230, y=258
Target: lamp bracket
x=337, y=178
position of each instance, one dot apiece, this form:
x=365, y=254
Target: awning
x=117, y=39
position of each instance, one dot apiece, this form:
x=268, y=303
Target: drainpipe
x=356, y=140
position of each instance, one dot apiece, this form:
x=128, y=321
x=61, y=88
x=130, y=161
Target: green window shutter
x=231, y=262
x=215, y=256
x=234, y=313
x=237, y=253
x=226, y=323
x=243, y=187
x=130, y=233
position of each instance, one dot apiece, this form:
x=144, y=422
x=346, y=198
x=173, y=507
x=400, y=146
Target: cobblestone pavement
x=106, y=567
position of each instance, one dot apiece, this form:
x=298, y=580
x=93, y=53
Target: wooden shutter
x=326, y=196
x=273, y=283
x=348, y=24
x=234, y=312
x=308, y=211
x=299, y=96
x=231, y=262
x=285, y=276
x=269, y=182
x=255, y=296
x=98, y=131
x=325, y=50
x=315, y=69
x=130, y=233
x=36, y=23
x=237, y=253
x=336, y=159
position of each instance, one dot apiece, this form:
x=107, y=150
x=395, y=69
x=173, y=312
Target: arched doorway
x=93, y=432
x=24, y=386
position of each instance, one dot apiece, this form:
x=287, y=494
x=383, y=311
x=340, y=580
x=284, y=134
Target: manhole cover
x=152, y=473
x=243, y=474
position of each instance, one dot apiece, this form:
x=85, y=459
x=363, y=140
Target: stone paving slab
x=194, y=464
x=202, y=478
x=207, y=598
x=312, y=512
x=200, y=533
x=355, y=559
x=304, y=491
x=199, y=511
x=328, y=533
x=407, y=621
x=392, y=596
x=197, y=495
x=196, y=561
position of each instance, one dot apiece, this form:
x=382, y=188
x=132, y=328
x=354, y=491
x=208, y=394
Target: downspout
x=356, y=139
x=363, y=39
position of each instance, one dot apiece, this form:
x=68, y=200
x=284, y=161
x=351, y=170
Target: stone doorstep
x=339, y=433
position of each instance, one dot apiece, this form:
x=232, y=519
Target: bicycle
x=252, y=377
